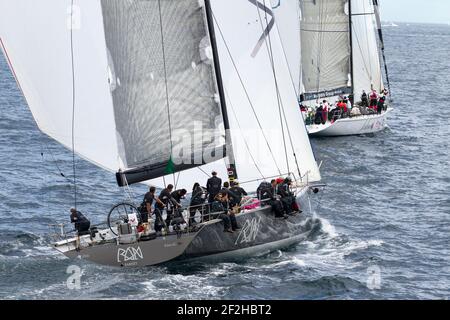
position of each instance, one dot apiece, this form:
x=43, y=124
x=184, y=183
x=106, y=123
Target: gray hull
x=259, y=231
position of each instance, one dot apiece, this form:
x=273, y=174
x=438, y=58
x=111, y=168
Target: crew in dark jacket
x=175, y=202
x=268, y=194
x=238, y=192
x=221, y=207
x=213, y=186
x=232, y=197
x=287, y=198
x=164, y=197
x=198, y=199
x=82, y=224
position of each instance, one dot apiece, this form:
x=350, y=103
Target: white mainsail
x=325, y=46
x=366, y=58
x=143, y=76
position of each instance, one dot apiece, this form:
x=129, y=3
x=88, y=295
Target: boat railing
x=60, y=231
x=203, y=213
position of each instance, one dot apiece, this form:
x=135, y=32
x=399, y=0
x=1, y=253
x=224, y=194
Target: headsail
x=366, y=59
x=288, y=16
x=269, y=135
x=325, y=48
x=36, y=38
x=380, y=36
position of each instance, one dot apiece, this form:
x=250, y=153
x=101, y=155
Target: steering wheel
x=119, y=214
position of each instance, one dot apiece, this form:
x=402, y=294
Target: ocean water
x=385, y=231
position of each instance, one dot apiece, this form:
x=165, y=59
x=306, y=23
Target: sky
x=424, y=11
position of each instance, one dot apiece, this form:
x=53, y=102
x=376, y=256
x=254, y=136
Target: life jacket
x=373, y=95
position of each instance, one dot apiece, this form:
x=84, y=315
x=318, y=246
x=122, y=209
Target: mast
x=232, y=173
x=351, y=48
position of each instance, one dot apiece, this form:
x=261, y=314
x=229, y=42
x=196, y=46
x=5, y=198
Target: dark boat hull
x=260, y=231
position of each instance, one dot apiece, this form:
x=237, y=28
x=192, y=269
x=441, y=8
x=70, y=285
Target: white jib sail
x=366, y=59
x=265, y=118
x=288, y=16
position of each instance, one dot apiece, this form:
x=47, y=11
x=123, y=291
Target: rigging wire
x=166, y=82
x=54, y=162
x=280, y=102
x=246, y=92
x=282, y=106
x=297, y=93
x=270, y=53
x=243, y=137
x=364, y=60
x=73, y=105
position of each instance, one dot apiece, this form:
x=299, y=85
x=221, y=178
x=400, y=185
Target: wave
x=25, y=245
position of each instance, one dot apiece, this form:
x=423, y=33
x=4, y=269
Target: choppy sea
x=385, y=231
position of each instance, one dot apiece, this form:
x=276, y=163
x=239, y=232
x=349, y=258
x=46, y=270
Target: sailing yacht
x=165, y=92
x=340, y=58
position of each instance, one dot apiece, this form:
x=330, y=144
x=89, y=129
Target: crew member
x=175, y=201
x=380, y=105
x=221, y=207
x=318, y=119
x=238, y=192
x=198, y=199
x=82, y=224
x=268, y=194
x=287, y=198
x=373, y=99
x=146, y=207
x=165, y=196
x=364, y=100
x=213, y=186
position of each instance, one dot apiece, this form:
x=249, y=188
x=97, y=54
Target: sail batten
x=325, y=45
x=166, y=84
